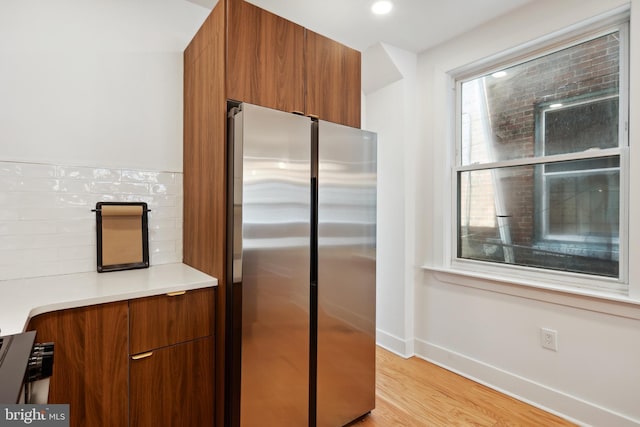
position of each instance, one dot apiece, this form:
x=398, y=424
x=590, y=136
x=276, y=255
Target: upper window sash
x=618, y=25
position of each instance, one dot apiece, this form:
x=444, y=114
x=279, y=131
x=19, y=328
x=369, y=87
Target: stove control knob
x=41, y=362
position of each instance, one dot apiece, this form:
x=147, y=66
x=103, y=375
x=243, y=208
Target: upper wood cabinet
x=333, y=80
x=277, y=64
x=265, y=58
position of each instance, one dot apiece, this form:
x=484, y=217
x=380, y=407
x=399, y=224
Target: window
x=541, y=159
x=580, y=199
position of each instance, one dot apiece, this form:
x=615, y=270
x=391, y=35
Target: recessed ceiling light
x=382, y=7
x=499, y=74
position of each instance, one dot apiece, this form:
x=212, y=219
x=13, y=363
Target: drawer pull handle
x=142, y=355
x=177, y=293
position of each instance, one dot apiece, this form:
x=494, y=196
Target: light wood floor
x=416, y=393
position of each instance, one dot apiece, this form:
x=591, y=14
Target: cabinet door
x=265, y=58
x=90, y=362
x=205, y=170
x=169, y=319
x=333, y=81
x=173, y=386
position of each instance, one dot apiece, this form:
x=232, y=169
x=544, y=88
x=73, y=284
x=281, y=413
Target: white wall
x=489, y=330
x=387, y=123
x=94, y=83
x=110, y=109
x=90, y=110
x=390, y=112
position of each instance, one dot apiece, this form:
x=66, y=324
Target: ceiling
x=413, y=25
x=85, y=26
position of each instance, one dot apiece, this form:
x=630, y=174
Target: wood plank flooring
x=416, y=393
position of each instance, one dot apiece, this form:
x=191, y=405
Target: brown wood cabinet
x=247, y=54
x=90, y=369
x=171, y=371
x=333, y=81
x=277, y=64
x=265, y=59
x=205, y=183
x=172, y=386
x=143, y=362
x=164, y=320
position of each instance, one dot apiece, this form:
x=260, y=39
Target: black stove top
x=15, y=351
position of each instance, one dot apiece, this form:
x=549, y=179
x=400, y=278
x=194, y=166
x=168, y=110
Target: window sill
x=586, y=299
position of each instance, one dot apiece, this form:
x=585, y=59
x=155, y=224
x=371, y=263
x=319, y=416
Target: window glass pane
x=500, y=109
x=580, y=127
x=582, y=206
x=567, y=220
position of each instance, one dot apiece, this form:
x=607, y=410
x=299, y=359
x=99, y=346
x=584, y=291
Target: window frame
x=546, y=46
x=542, y=196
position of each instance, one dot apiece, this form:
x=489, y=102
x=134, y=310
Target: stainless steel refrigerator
x=302, y=284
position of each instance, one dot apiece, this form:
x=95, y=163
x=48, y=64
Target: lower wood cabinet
x=171, y=367
x=105, y=384
x=90, y=368
x=172, y=386
x=171, y=318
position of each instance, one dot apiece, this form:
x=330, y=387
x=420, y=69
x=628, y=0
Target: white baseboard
x=556, y=402
x=403, y=348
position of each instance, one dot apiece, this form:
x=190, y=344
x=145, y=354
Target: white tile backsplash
x=89, y=174
x=35, y=170
x=38, y=184
x=8, y=182
x=46, y=223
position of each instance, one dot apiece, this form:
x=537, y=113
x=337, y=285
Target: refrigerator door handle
x=235, y=135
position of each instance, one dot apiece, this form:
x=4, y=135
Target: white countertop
x=22, y=299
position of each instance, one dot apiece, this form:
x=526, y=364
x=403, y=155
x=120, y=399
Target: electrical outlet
x=549, y=339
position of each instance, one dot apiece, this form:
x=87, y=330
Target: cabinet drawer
x=173, y=386
x=169, y=319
